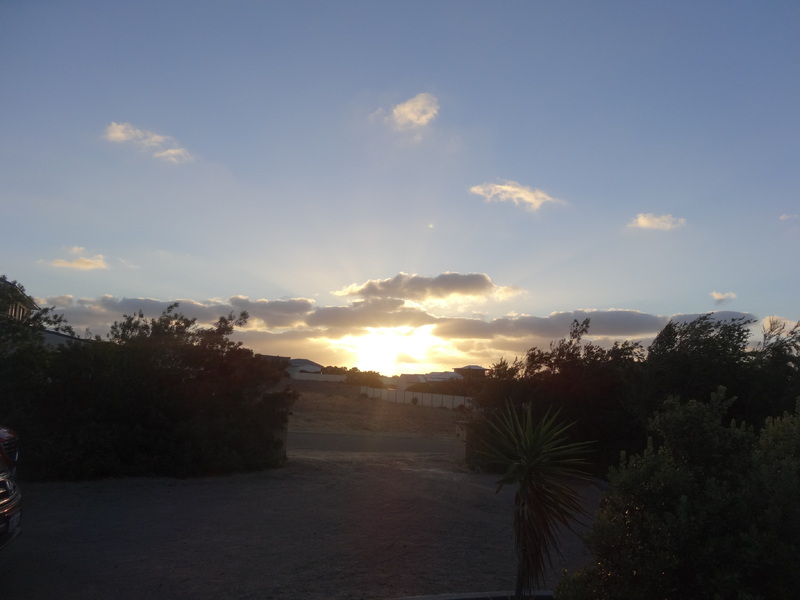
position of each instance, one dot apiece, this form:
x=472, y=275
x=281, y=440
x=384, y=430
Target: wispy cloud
x=420, y=288
x=786, y=217
x=174, y=155
x=722, y=297
x=416, y=112
x=661, y=222
x=511, y=191
x=162, y=147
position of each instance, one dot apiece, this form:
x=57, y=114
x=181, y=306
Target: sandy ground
x=346, y=411
x=329, y=525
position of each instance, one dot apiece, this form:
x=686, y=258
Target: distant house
x=20, y=305
x=16, y=304
x=407, y=379
x=303, y=365
x=308, y=370
x=471, y=371
x=441, y=376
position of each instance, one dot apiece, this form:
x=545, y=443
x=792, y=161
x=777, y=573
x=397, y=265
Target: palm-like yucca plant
x=544, y=465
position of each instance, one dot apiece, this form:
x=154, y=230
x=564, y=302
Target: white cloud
x=416, y=112
x=786, y=217
x=125, y=132
x=662, y=222
x=514, y=192
x=82, y=263
x=722, y=297
x=163, y=147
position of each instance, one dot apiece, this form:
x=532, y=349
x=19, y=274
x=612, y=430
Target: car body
x=9, y=449
x=10, y=496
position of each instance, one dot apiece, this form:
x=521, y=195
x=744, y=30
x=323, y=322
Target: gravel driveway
x=331, y=524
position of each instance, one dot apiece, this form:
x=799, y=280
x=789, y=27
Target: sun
x=394, y=350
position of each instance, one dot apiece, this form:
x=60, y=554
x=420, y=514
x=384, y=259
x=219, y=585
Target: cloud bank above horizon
x=299, y=327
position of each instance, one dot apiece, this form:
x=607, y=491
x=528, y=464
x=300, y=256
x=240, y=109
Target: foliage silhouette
x=162, y=396
x=708, y=510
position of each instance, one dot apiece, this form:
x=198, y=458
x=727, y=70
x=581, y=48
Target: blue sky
x=403, y=186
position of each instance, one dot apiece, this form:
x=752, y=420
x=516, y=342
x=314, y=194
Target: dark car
x=10, y=497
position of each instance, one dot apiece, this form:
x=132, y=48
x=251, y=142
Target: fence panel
x=421, y=399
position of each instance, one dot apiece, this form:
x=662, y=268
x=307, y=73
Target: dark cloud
x=603, y=323
x=417, y=287
x=294, y=327
x=373, y=312
x=464, y=329
x=98, y=314
x=275, y=313
x=612, y=322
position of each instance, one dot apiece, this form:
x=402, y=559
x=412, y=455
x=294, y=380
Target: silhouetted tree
x=592, y=386
x=692, y=359
x=774, y=373
x=366, y=378
x=501, y=386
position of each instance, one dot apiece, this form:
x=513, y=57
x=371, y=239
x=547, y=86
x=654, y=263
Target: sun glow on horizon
x=395, y=350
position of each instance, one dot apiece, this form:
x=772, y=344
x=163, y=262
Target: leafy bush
x=706, y=511
x=161, y=397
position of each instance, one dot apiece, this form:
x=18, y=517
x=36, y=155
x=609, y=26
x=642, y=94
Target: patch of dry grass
x=330, y=412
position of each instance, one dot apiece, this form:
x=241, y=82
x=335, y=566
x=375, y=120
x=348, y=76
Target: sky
x=403, y=186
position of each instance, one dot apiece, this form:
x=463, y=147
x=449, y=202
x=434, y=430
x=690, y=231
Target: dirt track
x=328, y=525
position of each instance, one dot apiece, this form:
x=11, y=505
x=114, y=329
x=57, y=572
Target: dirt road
x=330, y=525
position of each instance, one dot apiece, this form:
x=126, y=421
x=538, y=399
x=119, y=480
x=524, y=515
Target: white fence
x=405, y=397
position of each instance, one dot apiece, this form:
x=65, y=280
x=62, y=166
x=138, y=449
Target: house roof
x=303, y=362
x=442, y=376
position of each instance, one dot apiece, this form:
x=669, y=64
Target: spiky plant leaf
x=544, y=465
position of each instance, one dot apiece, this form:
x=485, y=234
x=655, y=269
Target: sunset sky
x=403, y=186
